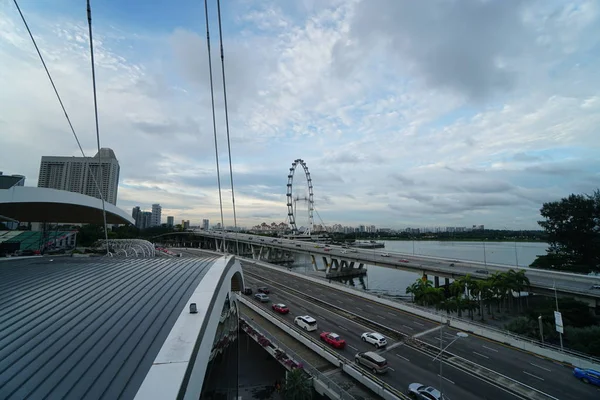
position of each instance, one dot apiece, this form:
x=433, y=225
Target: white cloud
x=406, y=113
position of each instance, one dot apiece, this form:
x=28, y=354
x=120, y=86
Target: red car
x=263, y=289
x=281, y=308
x=404, y=261
x=333, y=339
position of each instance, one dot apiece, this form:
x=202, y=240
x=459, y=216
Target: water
x=394, y=282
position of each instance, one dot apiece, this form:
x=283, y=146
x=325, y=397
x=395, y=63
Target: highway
x=410, y=365
x=545, y=280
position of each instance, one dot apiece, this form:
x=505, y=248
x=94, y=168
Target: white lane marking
x=418, y=323
x=480, y=355
x=359, y=309
x=409, y=327
x=391, y=369
x=368, y=305
x=391, y=313
x=539, y=366
x=535, y=376
x=341, y=327
x=446, y=379
x=353, y=348
x=402, y=357
x=320, y=316
x=489, y=348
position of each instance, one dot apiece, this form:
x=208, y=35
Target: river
x=394, y=282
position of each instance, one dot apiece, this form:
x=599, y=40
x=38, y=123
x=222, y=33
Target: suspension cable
x=212, y=100
x=227, y=125
x=89, y=16
x=62, y=106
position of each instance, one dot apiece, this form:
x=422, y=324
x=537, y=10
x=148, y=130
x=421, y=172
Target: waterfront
x=394, y=282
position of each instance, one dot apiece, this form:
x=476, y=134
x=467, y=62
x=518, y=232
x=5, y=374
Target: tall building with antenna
x=76, y=174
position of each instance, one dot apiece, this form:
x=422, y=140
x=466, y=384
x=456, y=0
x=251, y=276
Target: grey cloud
x=403, y=179
x=553, y=169
x=168, y=128
x=344, y=157
x=461, y=45
x=524, y=157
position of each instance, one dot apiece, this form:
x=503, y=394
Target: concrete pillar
x=436, y=281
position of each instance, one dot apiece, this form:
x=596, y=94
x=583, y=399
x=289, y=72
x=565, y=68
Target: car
x=327, y=249
x=327, y=245
x=595, y=287
x=263, y=298
x=306, y=322
x=263, y=289
x=298, y=245
x=372, y=361
x=423, y=392
x=247, y=291
x=353, y=251
x=404, y=260
x=376, y=339
x=333, y=339
x=482, y=271
x=344, y=251
x=385, y=255
x=452, y=264
x=587, y=375
x=281, y=308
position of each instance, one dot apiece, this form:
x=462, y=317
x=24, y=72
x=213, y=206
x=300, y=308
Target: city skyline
x=404, y=124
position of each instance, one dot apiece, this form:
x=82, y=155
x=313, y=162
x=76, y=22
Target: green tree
x=573, y=229
x=297, y=386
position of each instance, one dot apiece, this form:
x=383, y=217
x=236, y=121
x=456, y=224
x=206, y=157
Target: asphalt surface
x=568, y=283
x=406, y=365
x=544, y=375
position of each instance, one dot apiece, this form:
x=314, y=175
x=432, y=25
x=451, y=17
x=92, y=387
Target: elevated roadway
x=583, y=287
x=545, y=378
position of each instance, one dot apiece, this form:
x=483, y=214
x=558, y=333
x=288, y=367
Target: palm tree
x=457, y=288
x=297, y=385
x=432, y=296
x=520, y=281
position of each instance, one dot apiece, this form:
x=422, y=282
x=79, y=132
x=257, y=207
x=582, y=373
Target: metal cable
x=89, y=16
x=227, y=126
x=212, y=99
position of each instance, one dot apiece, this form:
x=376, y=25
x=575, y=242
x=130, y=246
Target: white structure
x=205, y=223
x=76, y=174
x=156, y=218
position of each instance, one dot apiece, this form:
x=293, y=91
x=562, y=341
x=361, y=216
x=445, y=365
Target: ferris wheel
x=291, y=200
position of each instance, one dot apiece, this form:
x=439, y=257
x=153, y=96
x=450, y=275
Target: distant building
x=156, y=215
x=136, y=214
x=80, y=174
x=170, y=221
x=145, y=220
x=185, y=224
x=8, y=181
x=205, y=224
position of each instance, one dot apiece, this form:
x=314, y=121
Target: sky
x=407, y=114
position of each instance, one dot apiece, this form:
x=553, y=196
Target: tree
x=573, y=229
x=297, y=385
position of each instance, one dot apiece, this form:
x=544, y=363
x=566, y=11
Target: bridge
x=484, y=363
x=335, y=261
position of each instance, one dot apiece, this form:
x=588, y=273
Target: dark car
x=247, y=291
x=263, y=289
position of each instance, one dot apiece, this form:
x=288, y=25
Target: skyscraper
x=77, y=174
x=156, y=211
x=136, y=215
x=170, y=221
x=205, y=224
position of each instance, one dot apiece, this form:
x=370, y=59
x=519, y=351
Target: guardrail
x=375, y=384
x=571, y=357
x=517, y=388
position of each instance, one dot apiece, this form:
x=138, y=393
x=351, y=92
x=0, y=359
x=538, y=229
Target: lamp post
x=541, y=328
x=458, y=336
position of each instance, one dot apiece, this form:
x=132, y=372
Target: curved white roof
x=33, y=204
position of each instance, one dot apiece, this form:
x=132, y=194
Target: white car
x=376, y=339
x=385, y=255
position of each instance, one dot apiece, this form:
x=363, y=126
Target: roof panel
x=75, y=328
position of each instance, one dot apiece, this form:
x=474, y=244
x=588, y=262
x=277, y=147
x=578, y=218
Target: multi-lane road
x=512, y=367
x=585, y=286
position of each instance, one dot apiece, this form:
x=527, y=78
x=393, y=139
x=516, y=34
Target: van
x=372, y=361
x=306, y=322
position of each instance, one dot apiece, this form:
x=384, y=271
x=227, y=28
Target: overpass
x=337, y=261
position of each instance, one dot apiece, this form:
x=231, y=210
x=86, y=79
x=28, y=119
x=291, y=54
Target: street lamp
x=458, y=336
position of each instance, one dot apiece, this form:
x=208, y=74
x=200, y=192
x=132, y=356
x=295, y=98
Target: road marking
x=418, y=323
x=535, y=376
x=446, y=379
x=359, y=309
x=539, y=366
x=480, y=355
x=391, y=313
x=489, y=348
x=402, y=357
x=368, y=305
x=409, y=327
x=341, y=327
x=320, y=316
x=352, y=347
x=391, y=369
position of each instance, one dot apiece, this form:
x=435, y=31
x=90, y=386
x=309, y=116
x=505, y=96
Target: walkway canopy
x=33, y=204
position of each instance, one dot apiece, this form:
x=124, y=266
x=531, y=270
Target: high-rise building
x=156, y=211
x=82, y=174
x=170, y=221
x=205, y=223
x=136, y=214
x=186, y=224
x=145, y=220
x=8, y=181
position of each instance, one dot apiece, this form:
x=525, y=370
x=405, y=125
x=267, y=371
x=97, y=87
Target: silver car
x=372, y=361
x=422, y=392
x=263, y=298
